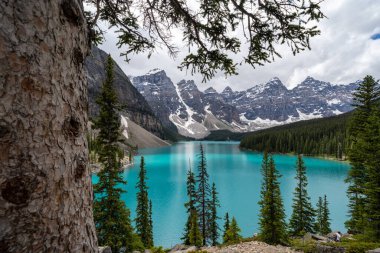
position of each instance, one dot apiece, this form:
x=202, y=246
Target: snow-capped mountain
x=161, y=95
x=192, y=112
x=195, y=113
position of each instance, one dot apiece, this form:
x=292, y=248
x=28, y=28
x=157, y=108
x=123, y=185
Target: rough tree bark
x=45, y=184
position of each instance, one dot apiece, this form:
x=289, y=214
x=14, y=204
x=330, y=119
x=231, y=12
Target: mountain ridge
x=197, y=113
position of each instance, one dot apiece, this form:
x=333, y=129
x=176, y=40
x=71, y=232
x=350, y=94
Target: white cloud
x=343, y=53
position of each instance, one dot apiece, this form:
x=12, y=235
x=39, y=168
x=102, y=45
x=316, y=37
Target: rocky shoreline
x=251, y=247
x=244, y=247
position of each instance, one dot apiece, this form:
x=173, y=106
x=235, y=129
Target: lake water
x=237, y=176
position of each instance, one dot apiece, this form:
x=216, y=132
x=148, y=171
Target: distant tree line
x=316, y=137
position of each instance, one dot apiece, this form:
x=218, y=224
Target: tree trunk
x=45, y=185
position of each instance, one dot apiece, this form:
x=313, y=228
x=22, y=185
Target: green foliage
x=112, y=217
x=150, y=230
x=226, y=225
x=195, y=236
x=272, y=215
x=350, y=245
x=319, y=216
x=364, y=156
x=143, y=209
x=203, y=200
x=356, y=244
x=157, y=250
x=201, y=226
x=325, y=228
x=264, y=173
x=302, y=219
x=303, y=246
x=135, y=244
x=213, y=226
x=208, y=29
x=360, y=247
x=371, y=147
x=190, y=206
x=232, y=234
x=322, y=224
x=317, y=137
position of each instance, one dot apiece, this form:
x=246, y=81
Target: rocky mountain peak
x=309, y=79
x=156, y=71
x=274, y=83
x=227, y=90
x=273, y=86
x=275, y=79
x=187, y=85
x=313, y=83
x=210, y=90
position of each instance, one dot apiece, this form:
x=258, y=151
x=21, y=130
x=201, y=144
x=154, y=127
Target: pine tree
x=325, y=224
x=112, y=218
x=272, y=215
x=233, y=233
x=150, y=232
x=365, y=98
x=226, y=225
x=195, y=236
x=319, y=218
x=371, y=147
x=302, y=219
x=143, y=220
x=190, y=206
x=264, y=172
x=214, y=227
x=203, y=197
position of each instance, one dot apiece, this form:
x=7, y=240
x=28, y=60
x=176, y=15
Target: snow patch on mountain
x=337, y=112
x=207, y=109
x=259, y=123
x=211, y=122
x=333, y=101
x=188, y=127
x=154, y=71
x=124, y=124
x=304, y=116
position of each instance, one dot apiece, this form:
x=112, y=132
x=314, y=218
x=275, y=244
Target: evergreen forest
x=316, y=137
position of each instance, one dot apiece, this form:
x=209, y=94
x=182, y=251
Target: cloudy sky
x=347, y=50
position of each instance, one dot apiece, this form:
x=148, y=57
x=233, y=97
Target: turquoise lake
x=236, y=174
